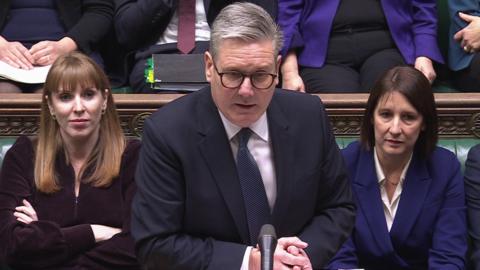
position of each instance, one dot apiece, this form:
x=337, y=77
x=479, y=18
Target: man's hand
x=15, y=54
x=293, y=246
x=289, y=254
x=425, y=65
x=469, y=36
x=25, y=213
x=46, y=52
x=300, y=252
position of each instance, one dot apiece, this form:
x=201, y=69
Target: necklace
x=392, y=183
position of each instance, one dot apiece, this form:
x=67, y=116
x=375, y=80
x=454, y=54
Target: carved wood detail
x=458, y=113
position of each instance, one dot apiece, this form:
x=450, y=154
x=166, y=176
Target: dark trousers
x=468, y=79
x=354, y=61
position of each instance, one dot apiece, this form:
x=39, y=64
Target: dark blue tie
x=253, y=190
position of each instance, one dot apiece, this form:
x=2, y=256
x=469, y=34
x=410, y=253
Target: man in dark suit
x=148, y=27
x=193, y=208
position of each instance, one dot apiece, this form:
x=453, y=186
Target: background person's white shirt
x=202, y=29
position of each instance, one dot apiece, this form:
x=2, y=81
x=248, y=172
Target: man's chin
x=244, y=120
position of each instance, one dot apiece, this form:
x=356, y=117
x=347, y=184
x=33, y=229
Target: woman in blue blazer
x=410, y=198
x=472, y=193
x=345, y=45
x=464, y=44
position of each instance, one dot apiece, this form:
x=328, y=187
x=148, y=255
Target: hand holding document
x=32, y=76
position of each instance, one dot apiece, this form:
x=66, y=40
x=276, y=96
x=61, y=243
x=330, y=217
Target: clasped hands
x=289, y=254
x=26, y=214
x=42, y=53
x=469, y=36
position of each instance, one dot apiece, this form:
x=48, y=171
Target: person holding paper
x=36, y=32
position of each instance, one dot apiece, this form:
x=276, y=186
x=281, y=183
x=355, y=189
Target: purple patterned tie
x=186, y=26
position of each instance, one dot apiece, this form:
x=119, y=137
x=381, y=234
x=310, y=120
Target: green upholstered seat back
x=5, y=144
x=459, y=146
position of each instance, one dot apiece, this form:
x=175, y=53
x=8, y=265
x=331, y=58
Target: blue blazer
x=472, y=192
x=457, y=58
x=429, y=230
x=307, y=24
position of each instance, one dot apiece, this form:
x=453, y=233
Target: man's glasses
x=233, y=79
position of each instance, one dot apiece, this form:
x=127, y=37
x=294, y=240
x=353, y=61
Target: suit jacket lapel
x=370, y=201
x=415, y=188
x=282, y=147
x=215, y=148
x=206, y=4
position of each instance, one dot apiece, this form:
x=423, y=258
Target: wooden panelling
x=459, y=113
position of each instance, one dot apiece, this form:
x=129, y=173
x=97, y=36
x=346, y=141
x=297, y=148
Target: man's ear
x=208, y=66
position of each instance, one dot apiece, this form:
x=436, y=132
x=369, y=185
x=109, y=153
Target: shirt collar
x=259, y=127
x=379, y=170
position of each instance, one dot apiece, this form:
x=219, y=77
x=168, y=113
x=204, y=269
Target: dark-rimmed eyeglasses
x=233, y=79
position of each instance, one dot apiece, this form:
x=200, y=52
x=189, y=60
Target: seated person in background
x=219, y=163
x=464, y=44
x=345, y=45
x=37, y=32
x=409, y=192
x=472, y=196
x=65, y=196
x=151, y=27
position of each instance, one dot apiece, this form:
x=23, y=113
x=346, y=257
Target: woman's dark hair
x=415, y=87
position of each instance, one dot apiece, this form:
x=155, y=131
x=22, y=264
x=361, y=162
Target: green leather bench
x=459, y=146
x=5, y=144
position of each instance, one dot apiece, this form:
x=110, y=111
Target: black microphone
x=267, y=240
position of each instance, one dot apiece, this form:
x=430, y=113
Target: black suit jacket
x=86, y=21
x=140, y=23
x=189, y=213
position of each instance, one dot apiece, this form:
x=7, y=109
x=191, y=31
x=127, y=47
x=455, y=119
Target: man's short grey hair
x=247, y=22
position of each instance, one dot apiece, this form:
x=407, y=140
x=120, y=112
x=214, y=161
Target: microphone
x=267, y=240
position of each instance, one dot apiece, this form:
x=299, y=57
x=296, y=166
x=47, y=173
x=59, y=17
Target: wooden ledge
x=459, y=113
